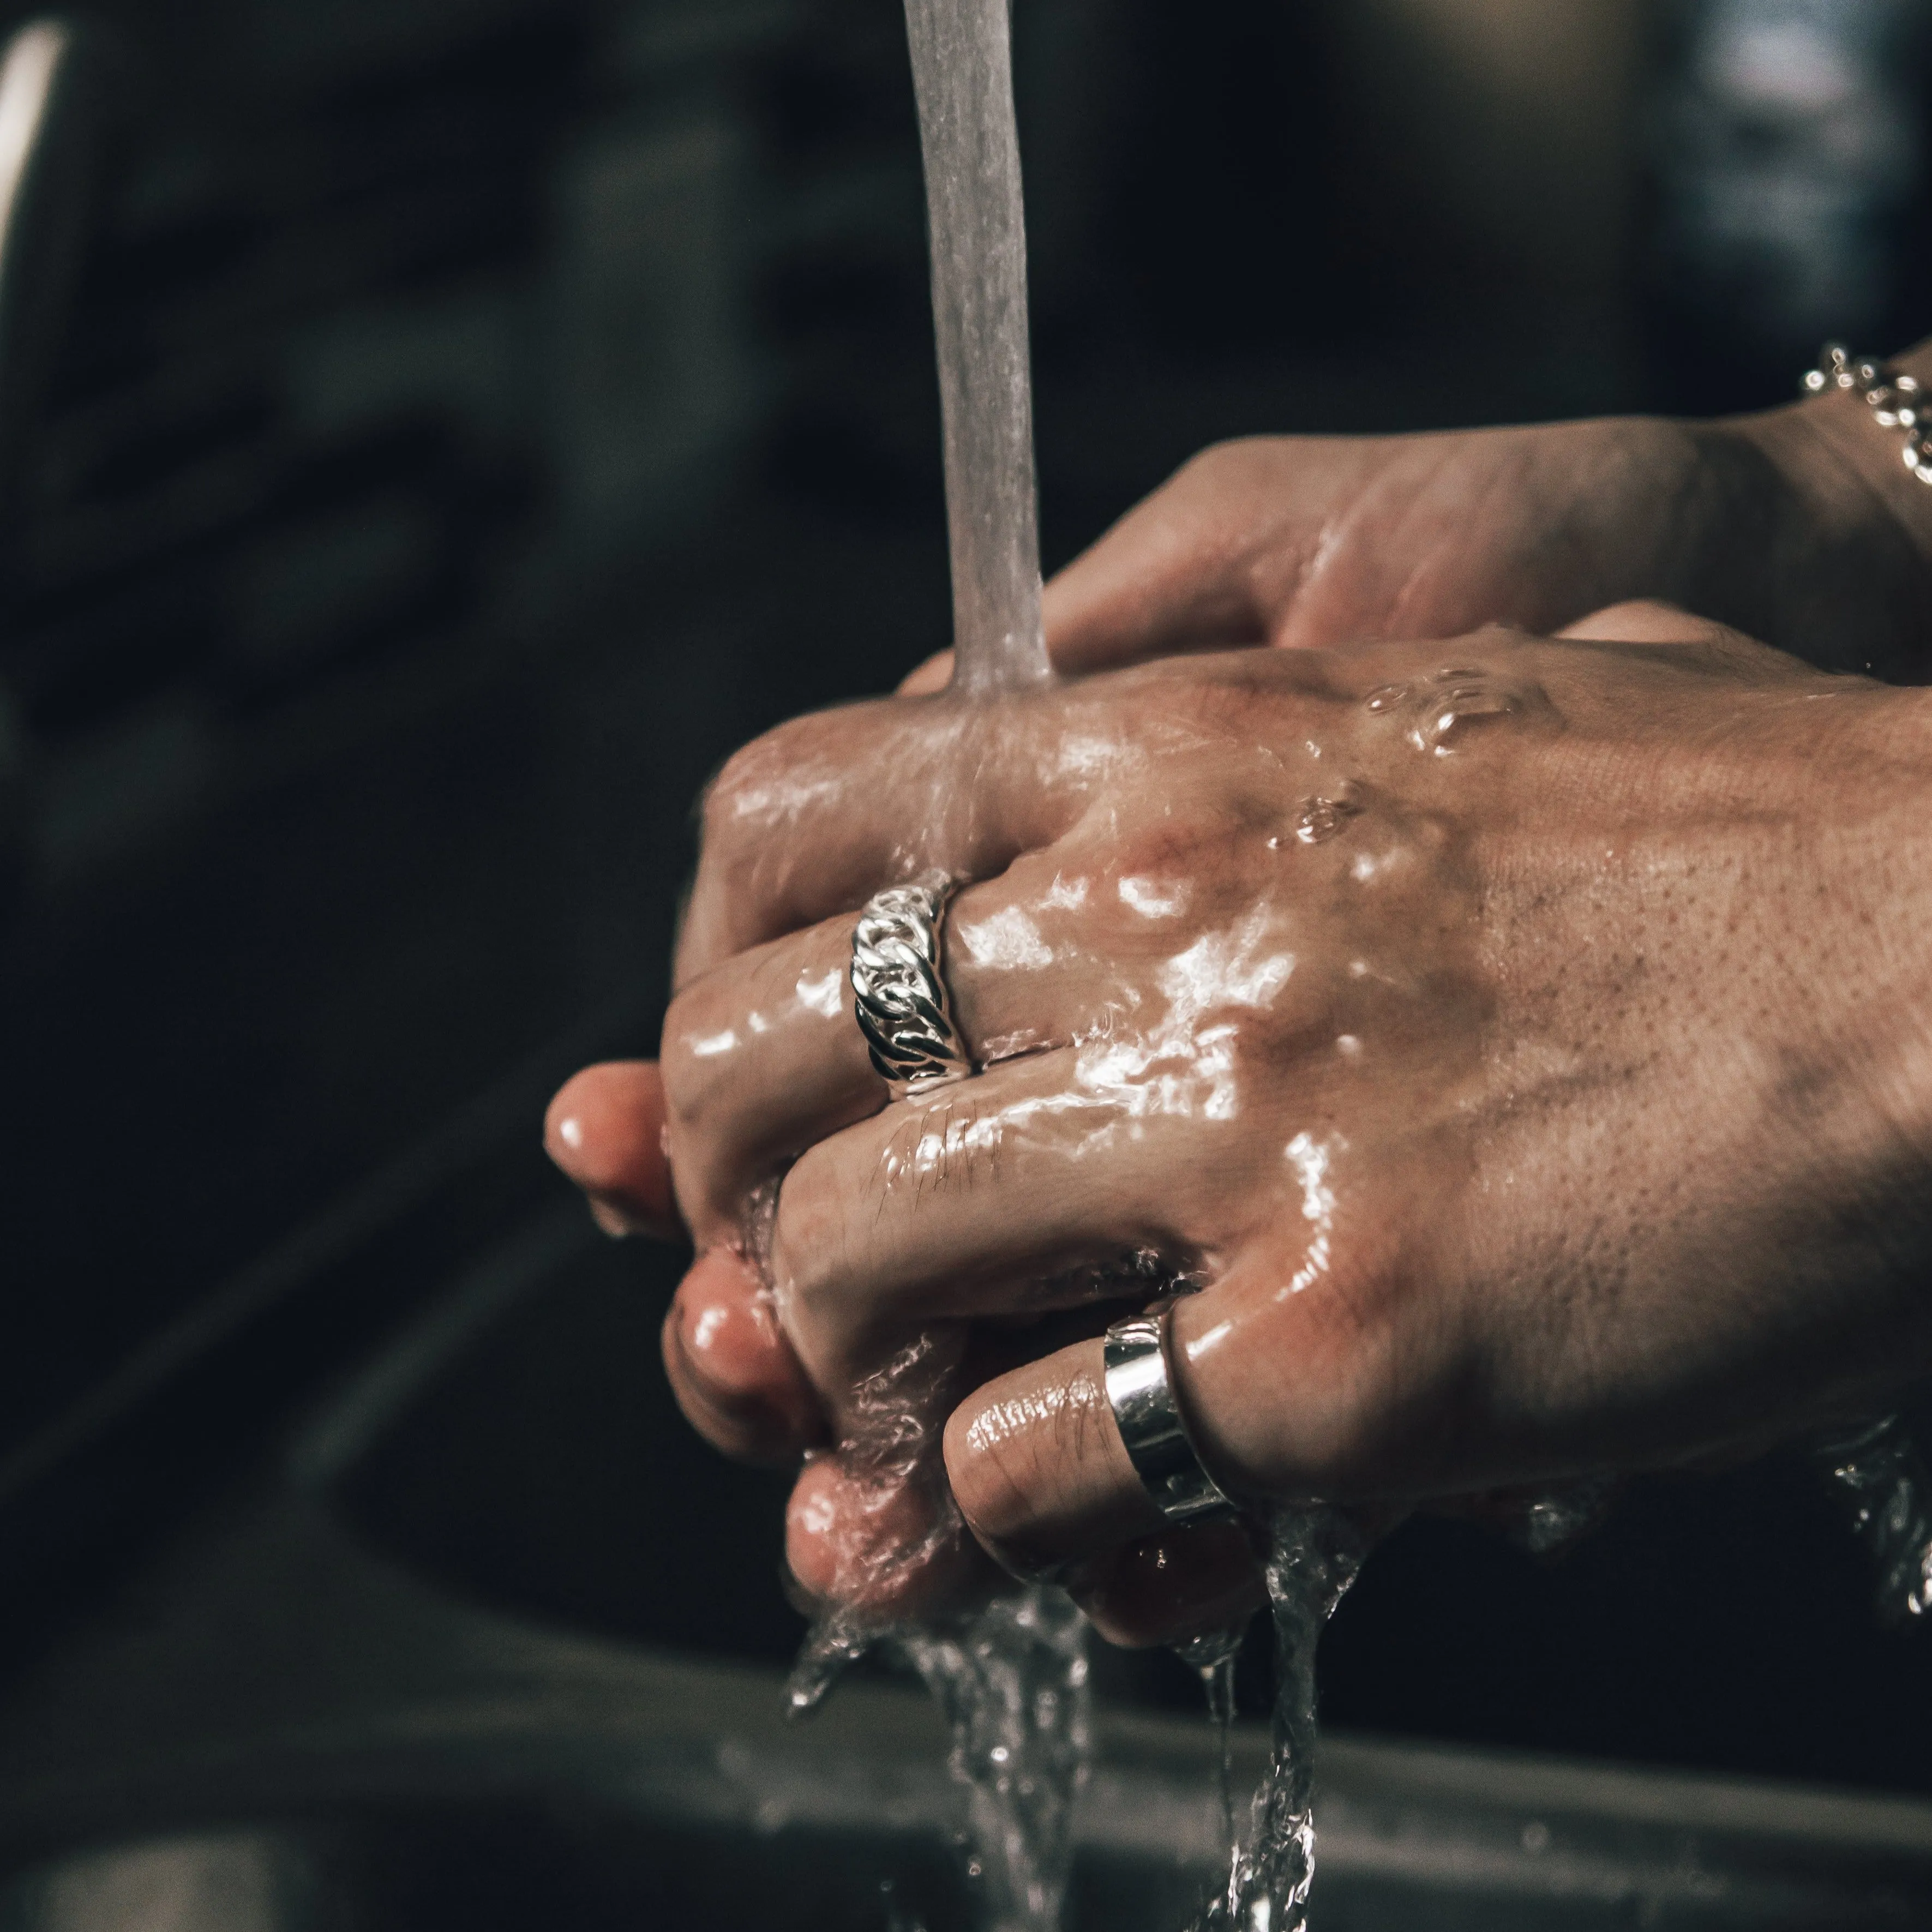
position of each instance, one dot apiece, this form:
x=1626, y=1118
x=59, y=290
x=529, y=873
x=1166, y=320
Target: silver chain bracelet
x=1894, y=399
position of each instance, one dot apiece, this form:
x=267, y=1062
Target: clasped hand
x=1520, y=1044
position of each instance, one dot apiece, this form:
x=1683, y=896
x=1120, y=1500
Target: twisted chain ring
x=899, y=992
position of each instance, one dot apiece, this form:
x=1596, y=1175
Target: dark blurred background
x=466, y=420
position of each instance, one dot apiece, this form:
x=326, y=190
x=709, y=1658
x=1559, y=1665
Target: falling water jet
x=1011, y=1676
x=1880, y=1480
x=962, y=74
x=1314, y=1555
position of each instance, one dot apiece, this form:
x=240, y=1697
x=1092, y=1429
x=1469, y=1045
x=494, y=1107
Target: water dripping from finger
x=1315, y=1554
x=1213, y=1658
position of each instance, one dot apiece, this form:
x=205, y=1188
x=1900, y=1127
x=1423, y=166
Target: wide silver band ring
x=1140, y=1391
x=899, y=991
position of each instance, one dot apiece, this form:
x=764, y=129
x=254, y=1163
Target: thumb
x=1214, y=560
x=1173, y=574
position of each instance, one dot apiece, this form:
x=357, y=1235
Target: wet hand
x=1798, y=526
x=1519, y=1041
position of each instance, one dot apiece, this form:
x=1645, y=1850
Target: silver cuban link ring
x=899, y=992
x=1140, y=1391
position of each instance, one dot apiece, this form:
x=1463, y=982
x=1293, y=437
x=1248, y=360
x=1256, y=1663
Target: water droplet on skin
x=1443, y=719
x=1386, y=698
x=1320, y=818
x=1453, y=676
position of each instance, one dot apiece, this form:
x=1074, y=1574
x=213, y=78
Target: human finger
x=1182, y=1582
x=1219, y=556
x=605, y=1130
x=1020, y=1191
x=924, y=679
x=763, y=1056
x=1174, y=574
x=1040, y=1471
x=1177, y=573
x=1283, y=1393
x=733, y=1373
x=888, y=1547
x=814, y=817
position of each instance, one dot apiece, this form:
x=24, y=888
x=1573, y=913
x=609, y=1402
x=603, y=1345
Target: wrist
x=1858, y=522
x=1876, y=975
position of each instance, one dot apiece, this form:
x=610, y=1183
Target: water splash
x=1011, y=1677
x=1320, y=817
x=1314, y=1555
x=962, y=73
x=1551, y=1521
x=1880, y=1481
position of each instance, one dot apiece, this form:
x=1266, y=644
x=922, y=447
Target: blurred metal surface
x=289, y=1732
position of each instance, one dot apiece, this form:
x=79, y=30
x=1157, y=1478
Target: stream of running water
x=1011, y=1675
x=962, y=74
x=1314, y=1554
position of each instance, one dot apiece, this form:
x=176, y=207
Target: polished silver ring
x=1140, y=1391
x=899, y=992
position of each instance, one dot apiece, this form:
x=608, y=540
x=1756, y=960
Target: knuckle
x=810, y=1235
x=1209, y=466
x=728, y=803
x=1220, y=466
x=951, y=1146
x=693, y=1025
x=756, y=788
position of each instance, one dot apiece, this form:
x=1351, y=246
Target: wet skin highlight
x=1292, y=1069
x=1797, y=523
